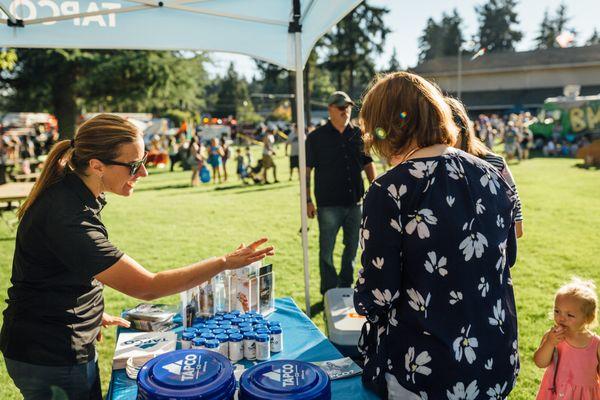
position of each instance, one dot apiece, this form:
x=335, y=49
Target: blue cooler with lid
x=284, y=379
x=187, y=375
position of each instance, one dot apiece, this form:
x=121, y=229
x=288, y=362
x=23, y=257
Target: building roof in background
x=506, y=60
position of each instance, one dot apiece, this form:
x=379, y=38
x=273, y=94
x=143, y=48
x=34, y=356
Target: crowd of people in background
x=513, y=132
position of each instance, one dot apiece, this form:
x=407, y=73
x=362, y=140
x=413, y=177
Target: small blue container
x=260, y=326
x=231, y=331
x=273, y=323
x=236, y=321
x=187, y=375
x=202, y=331
x=229, y=316
x=198, y=342
x=208, y=335
x=284, y=379
x=246, y=329
x=211, y=326
x=191, y=330
x=211, y=344
x=262, y=331
x=218, y=331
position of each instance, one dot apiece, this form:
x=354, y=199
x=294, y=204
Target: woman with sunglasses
x=63, y=257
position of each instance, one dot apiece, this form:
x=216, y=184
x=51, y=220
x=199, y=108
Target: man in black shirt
x=335, y=151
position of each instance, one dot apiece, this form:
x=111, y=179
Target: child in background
x=215, y=155
x=570, y=351
x=241, y=167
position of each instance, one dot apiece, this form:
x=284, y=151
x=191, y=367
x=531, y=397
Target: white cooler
x=342, y=322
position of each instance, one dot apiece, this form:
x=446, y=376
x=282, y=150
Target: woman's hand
x=245, y=255
x=108, y=320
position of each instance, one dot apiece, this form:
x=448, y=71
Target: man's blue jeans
x=40, y=382
x=331, y=219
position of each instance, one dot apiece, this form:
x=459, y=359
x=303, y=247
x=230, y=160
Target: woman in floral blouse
x=438, y=239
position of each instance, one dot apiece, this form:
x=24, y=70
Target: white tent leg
x=302, y=169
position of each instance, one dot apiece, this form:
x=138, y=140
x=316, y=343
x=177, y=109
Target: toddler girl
x=570, y=351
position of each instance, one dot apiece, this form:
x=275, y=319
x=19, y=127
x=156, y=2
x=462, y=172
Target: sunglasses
x=134, y=166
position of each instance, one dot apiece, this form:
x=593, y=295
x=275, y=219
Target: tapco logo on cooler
x=185, y=368
x=287, y=375
x=145, y=343
x=29, y=9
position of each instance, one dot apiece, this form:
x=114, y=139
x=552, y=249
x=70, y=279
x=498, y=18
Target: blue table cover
x=302, y=340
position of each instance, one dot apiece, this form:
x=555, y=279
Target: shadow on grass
x=317, y=308
x=587, y=167
x=7, y=239
x=171, y=186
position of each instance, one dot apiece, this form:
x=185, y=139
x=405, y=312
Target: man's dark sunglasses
x=133, y=166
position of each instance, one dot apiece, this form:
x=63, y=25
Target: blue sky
x=407, y=19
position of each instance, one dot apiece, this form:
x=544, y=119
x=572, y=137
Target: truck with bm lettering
x=572, y=115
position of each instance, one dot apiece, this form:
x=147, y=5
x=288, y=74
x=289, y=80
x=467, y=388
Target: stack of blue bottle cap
x=187, y=375
x=284, y=379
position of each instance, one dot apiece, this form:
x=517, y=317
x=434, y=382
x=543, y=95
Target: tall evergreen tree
x=550, y=28
x=394, y=64
x=441, y=39
x=233, y=94
x=594, y=39
x=116, y=80
x=496, y=20
x=349, y=48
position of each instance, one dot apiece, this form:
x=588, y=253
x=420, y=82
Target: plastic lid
x=275, y=329
x=229, y=316
x=262, y=331
x=235, y=337
x=208, y=335
x=237, y=321
x=211, y=343
x=284, y=379
x=249, y=335
x=246, y=329
x=203, y=330
x=211, y=326
x=242, y=324
x=188, y=335
x=218, y=331
x=260, y=326
x=190, y=330
x=271, y=323
x=262, y=338
x=187, y=375
x=222, y=337
x=199, y=341
x=232, y=330
x=225, y=322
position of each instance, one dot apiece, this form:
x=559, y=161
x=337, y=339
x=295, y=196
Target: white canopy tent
x=282, y=32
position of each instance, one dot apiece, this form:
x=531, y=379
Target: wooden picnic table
x=15, y=191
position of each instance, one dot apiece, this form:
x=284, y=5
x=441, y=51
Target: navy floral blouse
x=438, y=239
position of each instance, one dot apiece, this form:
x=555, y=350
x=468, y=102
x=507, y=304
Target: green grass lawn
x=167, y=224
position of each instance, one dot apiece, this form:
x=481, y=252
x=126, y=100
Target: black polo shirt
x=338, y=160
x=55, y=305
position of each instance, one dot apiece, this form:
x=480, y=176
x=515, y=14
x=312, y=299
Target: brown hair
x=584, y=291
x=99, y=138
x=406, y=107
x=467, y=141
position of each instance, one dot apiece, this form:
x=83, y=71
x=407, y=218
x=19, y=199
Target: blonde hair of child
x=584, y=291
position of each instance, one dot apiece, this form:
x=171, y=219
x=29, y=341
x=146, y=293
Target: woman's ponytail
x=53, y=171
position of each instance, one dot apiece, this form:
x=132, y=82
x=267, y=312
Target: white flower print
x=396, y=224
x=500, y=221
x=361, y=279
x=474, y=243
x=499, y=315
x=397, y=391
x=460, y=393
x=455, y=169
x=433, y=264
x=364, y=233
x=377, y=262
x=392, y=317
x=417, y=302
x=416, y=365
x=497, y=392
x=489, y=364
x=396, y=193
x=514, y=357
x=422, y=169
x=501, y=263
x=491, y=181
x=455, y=297
x=450, y=200
x=479, y=207
x=419, y=222
x=483, y=287
x=384, y=299
x=389, y=364
x=465, y=345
